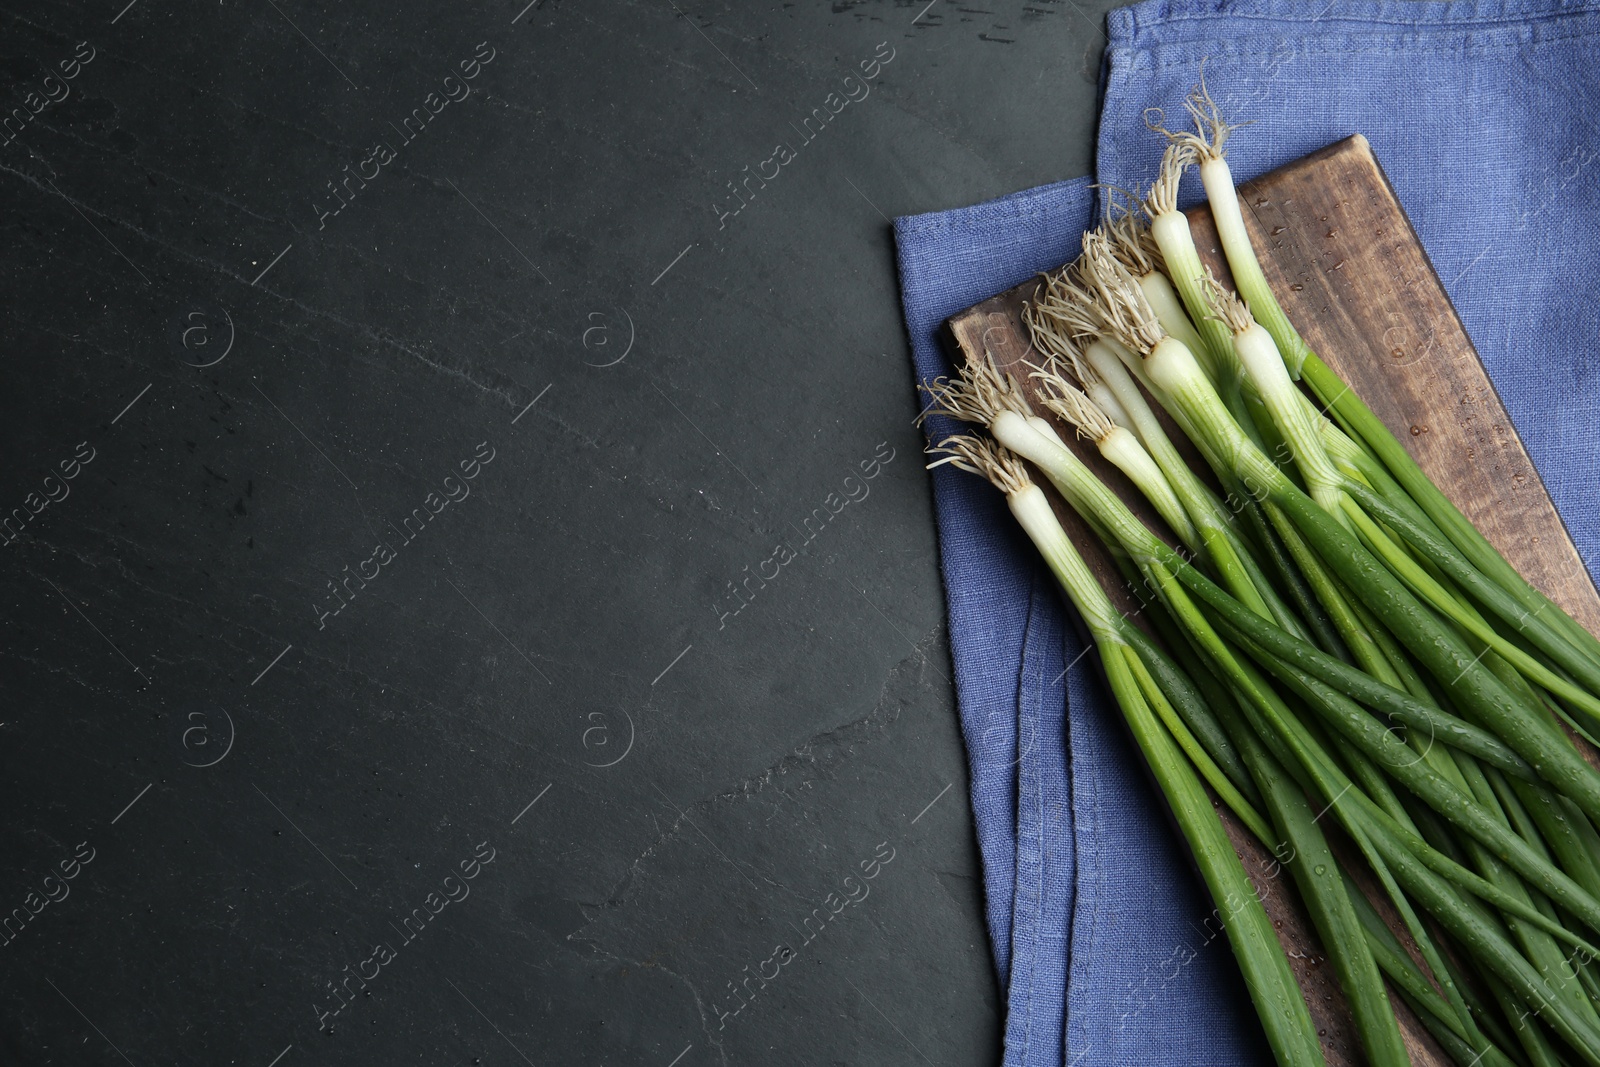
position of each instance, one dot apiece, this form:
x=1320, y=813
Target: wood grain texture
x=1342, y=256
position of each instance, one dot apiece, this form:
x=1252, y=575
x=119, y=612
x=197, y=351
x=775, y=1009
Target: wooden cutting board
x=1344, y=261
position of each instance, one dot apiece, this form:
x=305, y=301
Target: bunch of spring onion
x=1336, y=652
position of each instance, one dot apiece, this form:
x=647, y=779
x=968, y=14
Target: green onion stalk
x=1207, y=149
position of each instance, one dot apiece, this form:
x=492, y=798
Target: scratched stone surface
x=468, y=579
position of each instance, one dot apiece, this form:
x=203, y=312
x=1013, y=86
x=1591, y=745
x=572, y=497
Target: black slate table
x=468, y=578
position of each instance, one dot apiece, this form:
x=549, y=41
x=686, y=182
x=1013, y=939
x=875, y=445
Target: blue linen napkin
x=1484, y=117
